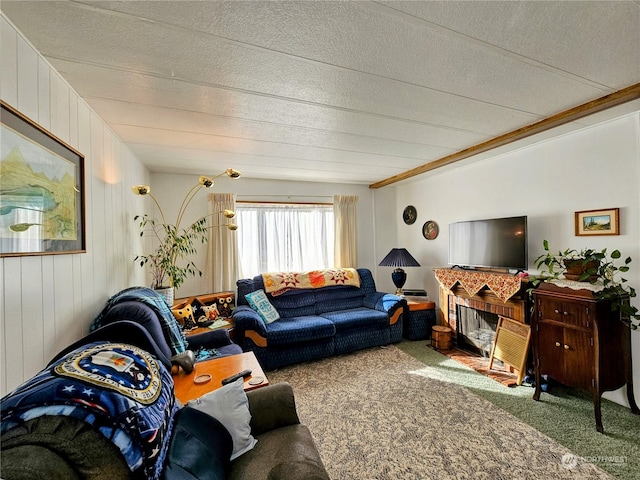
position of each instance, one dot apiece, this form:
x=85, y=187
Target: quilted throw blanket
x=277, y=283
x=119, y=389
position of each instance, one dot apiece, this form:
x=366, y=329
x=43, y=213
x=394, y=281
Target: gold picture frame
x=42, y=208
x=598, y=222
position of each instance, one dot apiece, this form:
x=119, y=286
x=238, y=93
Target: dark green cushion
x=284, y=453
x=59, y=447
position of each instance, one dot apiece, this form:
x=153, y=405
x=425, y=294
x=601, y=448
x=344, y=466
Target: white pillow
x=261, y=304
x=229, y=405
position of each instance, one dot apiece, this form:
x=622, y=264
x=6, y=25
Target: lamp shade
x=399, y=257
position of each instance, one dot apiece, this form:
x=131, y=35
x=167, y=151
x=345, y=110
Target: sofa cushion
x=357, y=318
x=229, y=405
x=260, y=303
x=286, y=452
x=59, y=447
x=295, y=303
x=298, y=330
x=331, y=299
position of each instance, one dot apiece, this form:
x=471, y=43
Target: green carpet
x=563, y=414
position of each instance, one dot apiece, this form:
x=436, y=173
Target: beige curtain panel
x=222, y=251
x=346, y=226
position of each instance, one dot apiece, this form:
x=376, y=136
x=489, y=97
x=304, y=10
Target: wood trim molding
x=258, y=339
x=608, y=101
x=394, y=318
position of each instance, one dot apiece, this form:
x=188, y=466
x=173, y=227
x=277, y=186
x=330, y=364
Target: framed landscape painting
x=598, y=222
x=42, y=208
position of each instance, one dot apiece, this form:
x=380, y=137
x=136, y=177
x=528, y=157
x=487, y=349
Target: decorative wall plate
x=430, y=230
x=410, y=215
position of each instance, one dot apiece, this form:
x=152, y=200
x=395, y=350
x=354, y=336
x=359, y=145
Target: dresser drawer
x=570, y=313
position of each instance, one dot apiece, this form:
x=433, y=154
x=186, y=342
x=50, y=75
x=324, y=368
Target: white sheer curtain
x=222, y=251
x=289, y=237
x=346, y=227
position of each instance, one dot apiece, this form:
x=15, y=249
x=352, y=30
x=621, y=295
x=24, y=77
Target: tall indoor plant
x=169, y=262
x=600, y=268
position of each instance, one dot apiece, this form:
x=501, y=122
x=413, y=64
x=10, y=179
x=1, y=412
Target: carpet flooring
x=564, y=414
x=382, y=414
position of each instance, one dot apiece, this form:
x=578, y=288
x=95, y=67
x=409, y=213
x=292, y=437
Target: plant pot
x=167, y=293
x=577, y=268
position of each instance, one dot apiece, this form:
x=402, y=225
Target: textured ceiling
x=351, y=92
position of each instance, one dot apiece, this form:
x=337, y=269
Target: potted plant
x=174, y=245
x=600, y=268
x=169, y=262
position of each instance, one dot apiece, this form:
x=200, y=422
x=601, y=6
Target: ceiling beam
x=608, y=101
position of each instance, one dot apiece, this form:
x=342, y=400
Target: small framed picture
x=430, y=230
x=598, y=222
x=409, y=215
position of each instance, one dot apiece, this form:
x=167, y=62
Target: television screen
x=491, y=243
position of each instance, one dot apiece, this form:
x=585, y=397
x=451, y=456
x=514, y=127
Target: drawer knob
x=565, y=313
x=566, y=347
x=556, y=311
x=558, y=344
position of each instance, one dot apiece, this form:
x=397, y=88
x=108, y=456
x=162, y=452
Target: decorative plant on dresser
x=582, y=328
x=169, y=262
x=600, y=269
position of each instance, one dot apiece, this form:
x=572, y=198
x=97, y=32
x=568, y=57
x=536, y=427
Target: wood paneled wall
x=49, y=301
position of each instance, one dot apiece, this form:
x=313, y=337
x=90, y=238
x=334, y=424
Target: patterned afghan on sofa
x=119, y=389
x=317, y=322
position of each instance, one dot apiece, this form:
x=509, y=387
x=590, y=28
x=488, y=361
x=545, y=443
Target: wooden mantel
x=499, y=293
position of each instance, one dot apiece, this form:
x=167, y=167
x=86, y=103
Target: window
x=284, y=237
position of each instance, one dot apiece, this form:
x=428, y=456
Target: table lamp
x=399, y=257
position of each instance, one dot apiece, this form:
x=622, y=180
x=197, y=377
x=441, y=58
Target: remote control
x=233, y=378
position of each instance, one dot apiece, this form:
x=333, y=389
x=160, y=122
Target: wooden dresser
x=581, y=343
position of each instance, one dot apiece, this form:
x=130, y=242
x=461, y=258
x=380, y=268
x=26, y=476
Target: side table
x=421, y=316
x=186, y=388
x=229, y=328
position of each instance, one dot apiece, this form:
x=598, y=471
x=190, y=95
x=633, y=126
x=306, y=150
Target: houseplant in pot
x=600, y=268
x=169, y=263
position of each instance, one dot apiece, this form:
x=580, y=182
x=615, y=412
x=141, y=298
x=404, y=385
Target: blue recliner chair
x=147, y=308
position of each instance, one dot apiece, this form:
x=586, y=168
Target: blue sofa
x=319, y=322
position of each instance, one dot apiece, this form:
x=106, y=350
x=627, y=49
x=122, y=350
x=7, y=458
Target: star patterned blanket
x=120, y=389
x=277, y=283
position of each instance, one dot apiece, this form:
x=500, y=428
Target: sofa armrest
x=212, y=339
x=245, y=318
x=384, y=302
x=272, y=407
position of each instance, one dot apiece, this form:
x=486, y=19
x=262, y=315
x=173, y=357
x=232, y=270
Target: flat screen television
x=491, y=243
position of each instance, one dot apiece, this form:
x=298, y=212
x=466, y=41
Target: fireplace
x=475, y=330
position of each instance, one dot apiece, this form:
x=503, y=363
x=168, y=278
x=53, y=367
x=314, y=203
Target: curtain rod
x=288, y=196
x=266, y=202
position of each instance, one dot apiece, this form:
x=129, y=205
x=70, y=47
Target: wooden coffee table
x=219, y=369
